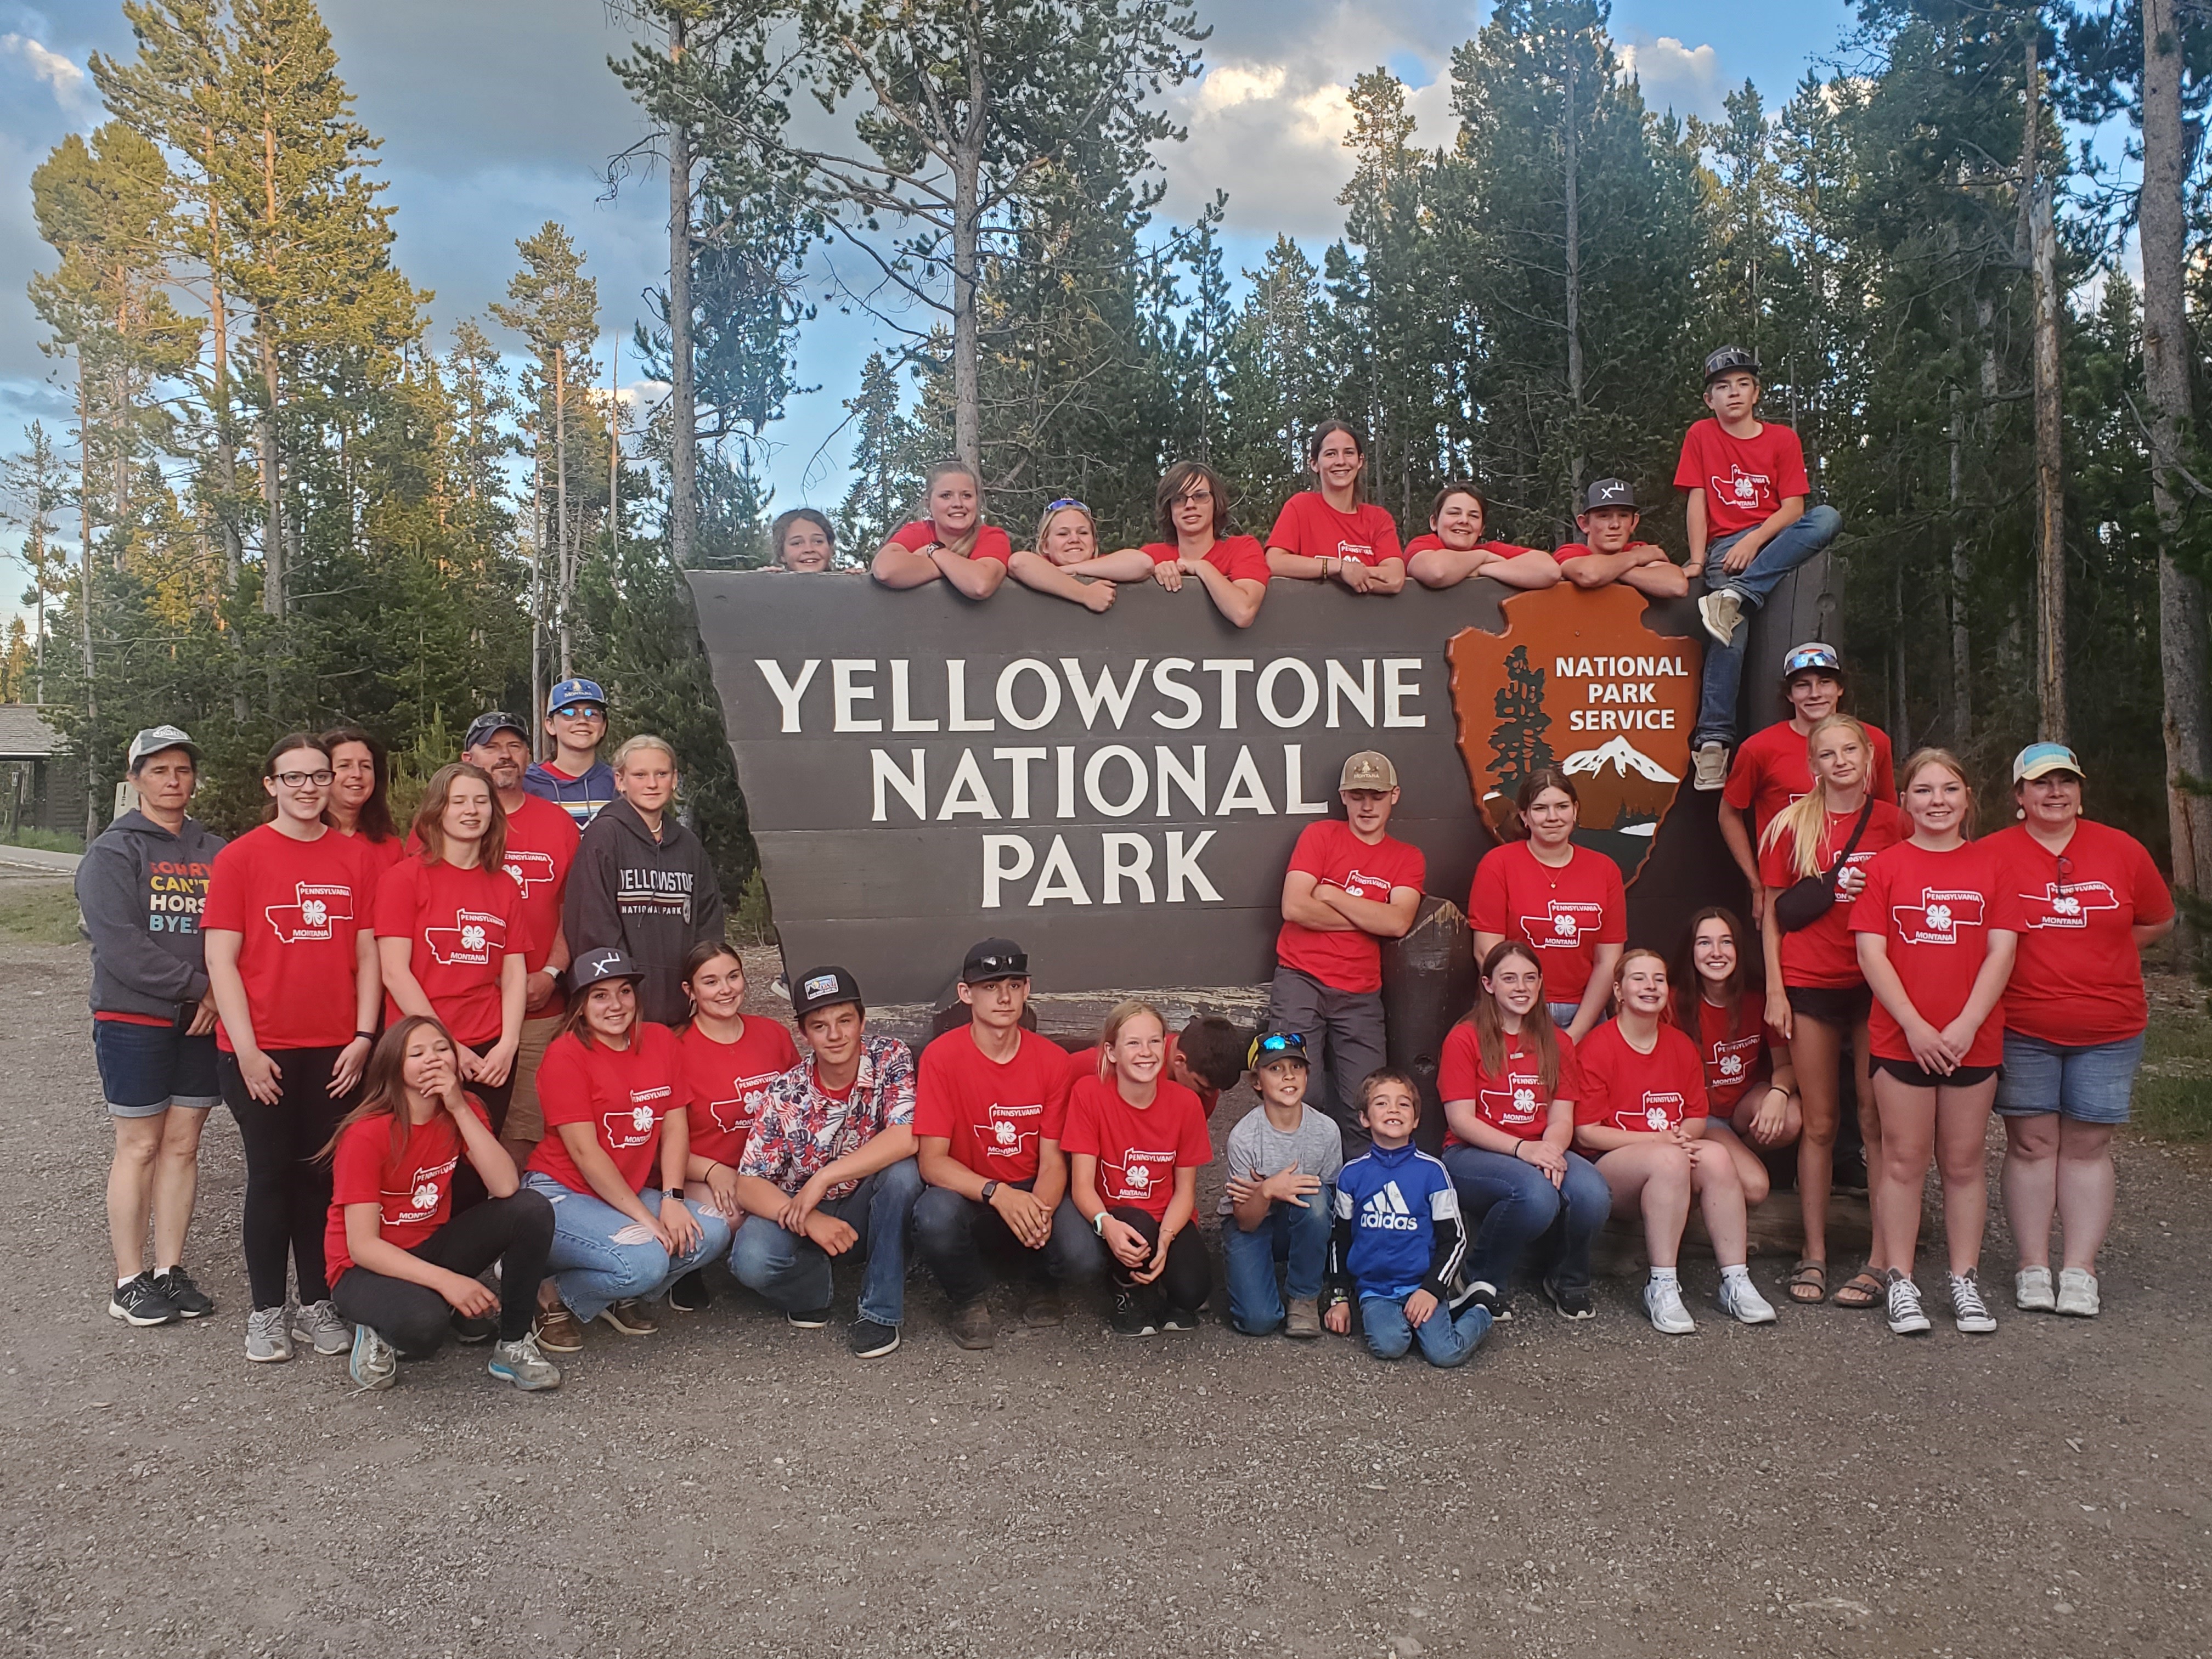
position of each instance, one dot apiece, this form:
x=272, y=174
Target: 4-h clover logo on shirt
x=314, y=912
x=1731, y=1065
x=1939, y=918
x=1564, y=925
x=472, y=938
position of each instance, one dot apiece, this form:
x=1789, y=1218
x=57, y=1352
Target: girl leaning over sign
x=1812, y=858
x=1333, y=532
x=950, y=540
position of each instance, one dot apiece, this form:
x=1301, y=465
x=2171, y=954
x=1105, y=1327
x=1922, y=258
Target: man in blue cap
x=576, y=780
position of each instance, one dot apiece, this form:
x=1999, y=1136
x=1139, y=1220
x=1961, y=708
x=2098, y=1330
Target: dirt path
x=731, y=1488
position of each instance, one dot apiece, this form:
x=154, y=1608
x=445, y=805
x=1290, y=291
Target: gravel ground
x=734, y=1487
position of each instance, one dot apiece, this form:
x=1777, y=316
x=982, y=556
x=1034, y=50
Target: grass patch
x=47, y=841
x=2173, y=1092
x=39, y=913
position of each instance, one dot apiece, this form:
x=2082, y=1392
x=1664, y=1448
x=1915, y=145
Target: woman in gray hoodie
x=141, y=886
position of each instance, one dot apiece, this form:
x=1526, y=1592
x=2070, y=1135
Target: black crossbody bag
x=1806, y=900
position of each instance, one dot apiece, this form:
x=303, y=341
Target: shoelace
x=1903, y=1298
x=1966, y=1299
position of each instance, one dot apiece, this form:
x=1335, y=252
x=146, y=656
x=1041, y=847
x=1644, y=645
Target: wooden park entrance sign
x=1121, y=793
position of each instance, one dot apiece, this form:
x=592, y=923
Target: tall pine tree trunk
x=2183, y=655
x=682, y=423
x=274, y=574
x=967, y=234
x=564, y=572
x=1962, y=652
x=1572, y=144
x=2050, y=488
x=92, y=747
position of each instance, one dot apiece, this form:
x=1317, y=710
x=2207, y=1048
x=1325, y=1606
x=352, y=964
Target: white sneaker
x=1662, y=1300
x=318, y=1322
x=1968, y=1310
x=266, y=1344
x=1906, y=1316
x=2077, y=1293
x=1711, y=766
x=2030, y=1291
x=1722, y=612
x=1741, y=1301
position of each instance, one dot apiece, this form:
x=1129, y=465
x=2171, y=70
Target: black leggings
x=1188, y=1278
x=287, y=1193
x=515, y=1232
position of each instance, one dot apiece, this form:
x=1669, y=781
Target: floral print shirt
x=800, y=1129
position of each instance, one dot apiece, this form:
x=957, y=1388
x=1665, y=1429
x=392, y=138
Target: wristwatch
x=1098, y=1224
x=989, y=1187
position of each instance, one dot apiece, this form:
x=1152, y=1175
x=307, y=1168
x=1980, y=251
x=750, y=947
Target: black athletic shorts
x=1841, y=1006
x=1906, y=1071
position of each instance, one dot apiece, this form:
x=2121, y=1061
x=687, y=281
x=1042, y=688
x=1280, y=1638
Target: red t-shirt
x=541, y=845
x=990, y=542
x=993, y=1115
x=463, y=926
x=1139, y=1148
x=1240, y=558
x=1562, y=914
x=1331, y=853
x=1733, y=1063
x=1643, y=1094
x=1825, y=956
x=414, y=1186
x=622, y=1094
x=1515, y=1101
x=1936, y=910
x=1770, y=771
x=1084, y=1063
x=297, y=906
x=1430, y=540
x=2078, y=978
x=381, y=854
x=724, y=1081
x=1746, y=480
x=1310, y=525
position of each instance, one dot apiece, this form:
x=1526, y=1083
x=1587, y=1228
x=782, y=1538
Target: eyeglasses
x=1202, y=496
x=576, y=711
x=1066, y=501
x=1277, y=1045
x=998, y=967
x=2065, y=868
x=301, y=780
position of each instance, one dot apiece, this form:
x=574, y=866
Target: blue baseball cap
x=2041, y=760
x=570, y=691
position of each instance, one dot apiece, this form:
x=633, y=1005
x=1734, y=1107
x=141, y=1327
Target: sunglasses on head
x=1277, y=1045
x=1066, y=501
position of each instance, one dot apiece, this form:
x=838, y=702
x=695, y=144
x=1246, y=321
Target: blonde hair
x=1621, y=972
x=1921, y=761
x=1045, y=520
x=1111, y=1033
x=1805, y=819
x=962, y=545
x=643, y=740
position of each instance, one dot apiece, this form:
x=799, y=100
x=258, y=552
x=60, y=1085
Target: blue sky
x=498, y=114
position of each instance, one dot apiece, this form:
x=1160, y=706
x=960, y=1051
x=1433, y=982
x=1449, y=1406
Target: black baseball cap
x=824, y=988
x=994, y=959
x=593, y=966
x=1729, y=359
x=1609, y=492
x=484, y=728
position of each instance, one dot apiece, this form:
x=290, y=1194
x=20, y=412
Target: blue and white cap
x=578, y=690
x=2041, y=760
x=1814, y=657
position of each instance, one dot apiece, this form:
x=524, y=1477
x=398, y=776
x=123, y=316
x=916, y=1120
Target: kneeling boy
x=1398, y=1241
x=1283, y=1156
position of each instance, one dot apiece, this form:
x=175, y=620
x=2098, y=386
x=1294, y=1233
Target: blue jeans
x=1444, y=1341
x=1510, y=1204
x=791, y=1272
x=1752, y=585
x=958, y=1236
x=592, y=1264
x=1296, y=1238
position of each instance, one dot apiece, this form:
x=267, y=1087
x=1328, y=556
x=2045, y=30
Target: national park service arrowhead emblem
x=1579, y=681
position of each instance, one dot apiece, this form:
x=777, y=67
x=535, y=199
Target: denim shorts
x=2091, y=1083
x=146, y=1069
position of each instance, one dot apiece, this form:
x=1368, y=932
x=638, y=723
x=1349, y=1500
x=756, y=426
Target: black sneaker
x=871, y=1340
x=190, y=1301
x=1483, y=1294
x=473, y=1331
x=1179, y=1319
x=1133, y=1313
x=1569, y=1302
x=806, y=1319
x=689, y=1293
x=140, y=1302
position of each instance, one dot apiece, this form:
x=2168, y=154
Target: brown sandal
x=1865, y=1289
x=1808, y=1283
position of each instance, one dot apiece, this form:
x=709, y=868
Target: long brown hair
x=1174, y=483
x=572, y=1020
x=1805, y=820
x=1321, y=435
x=1536, y=1024
x=707, y=950
x=1686, y=986
x=384, y=1082
x=375, y=821
x=430, y=816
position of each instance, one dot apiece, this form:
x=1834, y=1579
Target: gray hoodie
x=142, y=891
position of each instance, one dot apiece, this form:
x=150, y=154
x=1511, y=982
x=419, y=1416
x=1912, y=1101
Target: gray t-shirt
x=1257, y=1148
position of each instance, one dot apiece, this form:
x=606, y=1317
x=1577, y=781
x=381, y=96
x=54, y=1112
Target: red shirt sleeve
x=1054, y=1125
x=1870, y=910
x=1690, y=1066
x=225, y=905
x=1423, y=543
x=1458, y=1069
x=1080, y=1132
x=991, y=543
x=1308, y=856
x=1742, y=786
x=1612, y=921
x=1415, y=873
x=1486, y=899
x=357, y=1167
x=1689, y=472
x=1383, y=529
x=1777, y=862
x=1571, y=1071
x=1193, y=1146
x=915, y=536
x=1289, y=532
x=1241, y=558
x=396, y=905
x=932, y=1103
x=2148, y=891
x=564, y=1090
x=1789, y=477
x=1595, y=1102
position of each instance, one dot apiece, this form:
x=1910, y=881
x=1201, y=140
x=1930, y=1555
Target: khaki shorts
x=525, y=1120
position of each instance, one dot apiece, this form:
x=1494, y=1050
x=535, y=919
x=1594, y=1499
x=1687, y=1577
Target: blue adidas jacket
x=1397, y=1227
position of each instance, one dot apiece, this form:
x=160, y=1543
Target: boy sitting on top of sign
x=1609, y=552
x=1747, y=508
x=1350, y=884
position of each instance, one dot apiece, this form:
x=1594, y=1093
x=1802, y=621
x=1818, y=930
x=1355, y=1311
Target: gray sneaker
x=376, y=1362
x=1722, y=612
x=518, y=1362
x=318, y=1322
x=266, y=1344
x=1711, y=761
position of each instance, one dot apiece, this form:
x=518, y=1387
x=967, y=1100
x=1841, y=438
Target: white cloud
x=64, y=77
x=1685, y=79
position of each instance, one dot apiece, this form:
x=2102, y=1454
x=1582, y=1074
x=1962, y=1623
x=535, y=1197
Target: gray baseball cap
x=155, y=738
x=1609, y=492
